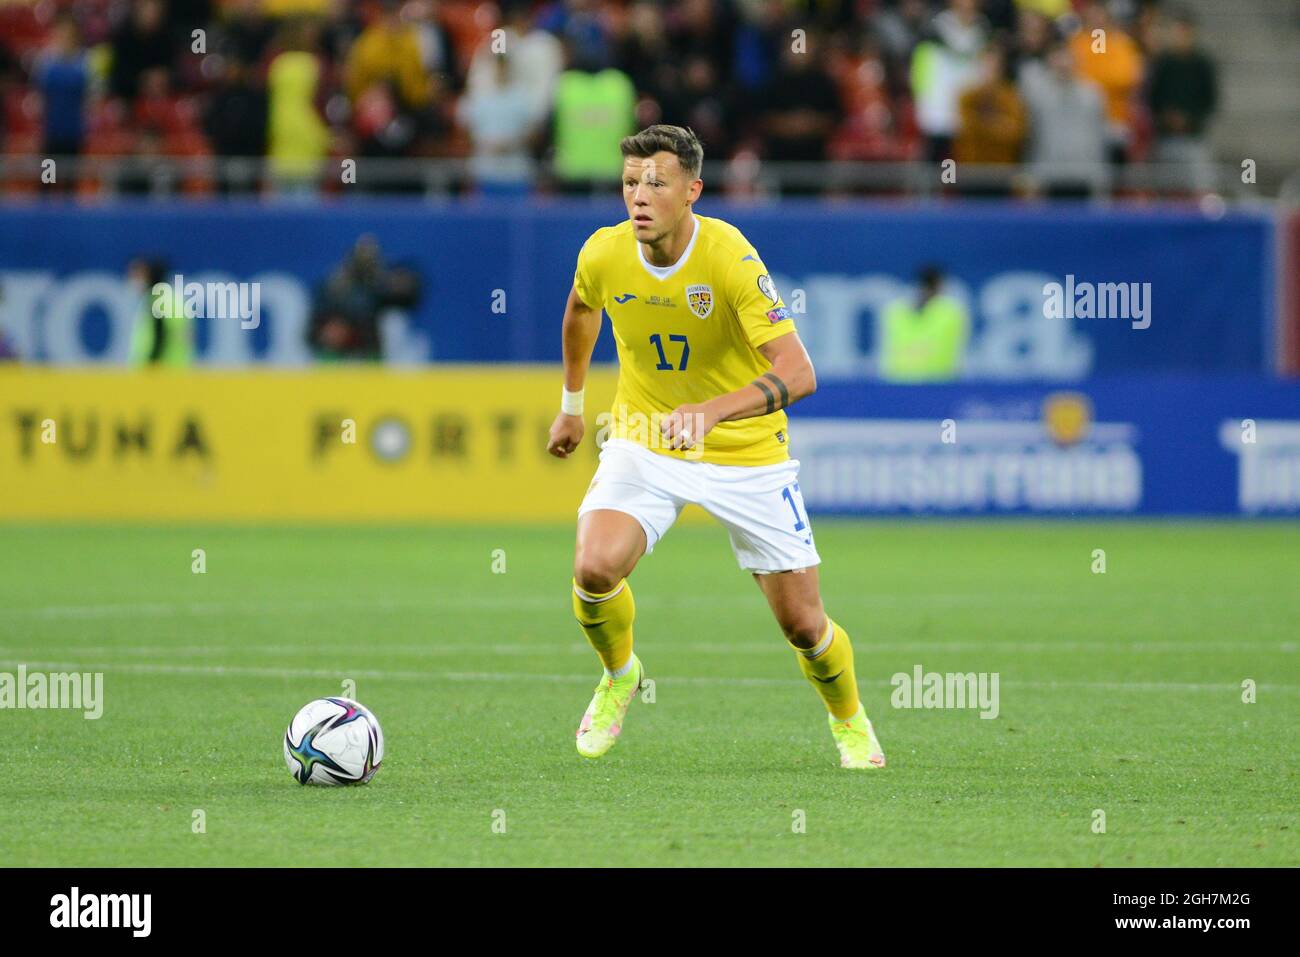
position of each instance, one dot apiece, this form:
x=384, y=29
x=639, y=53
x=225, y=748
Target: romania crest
x=700, y=300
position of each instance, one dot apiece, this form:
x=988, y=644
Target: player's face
x=657, y=194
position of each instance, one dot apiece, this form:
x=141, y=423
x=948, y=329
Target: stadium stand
x=244, y=95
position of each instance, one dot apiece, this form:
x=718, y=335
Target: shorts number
x=664, y=365
x=788, y=495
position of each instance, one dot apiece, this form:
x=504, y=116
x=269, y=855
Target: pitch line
x=758, y=644
x=327, y=604
x=335, y=674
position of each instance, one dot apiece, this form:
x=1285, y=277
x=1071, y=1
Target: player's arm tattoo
x=780, y=387
x=775, y=400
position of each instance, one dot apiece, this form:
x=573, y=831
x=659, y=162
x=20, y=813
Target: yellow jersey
x=687, y=333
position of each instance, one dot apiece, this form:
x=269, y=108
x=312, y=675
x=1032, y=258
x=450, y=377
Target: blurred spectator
x=641, y=49
x=1035, y=36
x=826, y=15
x=942, y=66
x=536, y=59
x=902, y=26
x=1048, y=9
x=437, y=53
x=289, y=8
x=1000, y=15
x=11, y=76
x=155, y=107
x=141, y=42
x=163, y=334
x=345, y=322
x=704, y=29
x=581, y=27
x=701, y=102
x=236, y=121
x=593, y=112
x=246, y=33
x=1067, y=155
x=63, y=77
x=992, y=121
x=869, y=130
x=298, y=139
x=395, y=79
x=1113, y=61
x=801, y=107
x=185, y=16
x=1183, y=93
x=501, y=118
x=761, y=35
x=923, y=337
x=388, y=52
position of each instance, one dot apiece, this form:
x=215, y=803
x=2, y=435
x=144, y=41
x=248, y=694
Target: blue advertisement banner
x=1054, y=294
x=1158, y=445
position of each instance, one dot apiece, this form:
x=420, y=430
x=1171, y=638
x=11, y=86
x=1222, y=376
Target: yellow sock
x=607, y=620
x=829, y=667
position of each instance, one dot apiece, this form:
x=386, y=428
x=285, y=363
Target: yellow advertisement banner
x=456, y=442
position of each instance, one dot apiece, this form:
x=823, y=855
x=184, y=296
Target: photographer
x=345, y=318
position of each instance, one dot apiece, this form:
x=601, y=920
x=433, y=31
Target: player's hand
x=566, y=433
x=685, y=426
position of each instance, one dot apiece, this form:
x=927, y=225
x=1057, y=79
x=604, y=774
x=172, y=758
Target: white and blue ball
x=333, y=741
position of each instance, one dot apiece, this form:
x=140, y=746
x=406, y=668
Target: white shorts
x=760, y=505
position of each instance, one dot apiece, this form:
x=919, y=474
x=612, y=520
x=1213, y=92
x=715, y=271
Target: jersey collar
x=664, y=272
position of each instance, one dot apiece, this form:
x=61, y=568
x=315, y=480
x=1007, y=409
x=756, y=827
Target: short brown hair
x=681, y=141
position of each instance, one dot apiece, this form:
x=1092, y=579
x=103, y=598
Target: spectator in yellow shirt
x=991, y=122
x=388, y=51
x=295, y=8
x=1052, y=9
x=297, y=138
x=1109, y=57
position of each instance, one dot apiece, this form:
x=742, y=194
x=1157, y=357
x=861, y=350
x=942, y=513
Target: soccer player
x=708, y=362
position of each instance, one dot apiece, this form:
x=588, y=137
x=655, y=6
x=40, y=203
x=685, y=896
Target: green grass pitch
x=1120, y=692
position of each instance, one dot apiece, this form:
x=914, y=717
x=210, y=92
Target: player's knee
x=804, y=630
x=596, y=573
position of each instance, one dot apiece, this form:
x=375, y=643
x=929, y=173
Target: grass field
x=1120, y=692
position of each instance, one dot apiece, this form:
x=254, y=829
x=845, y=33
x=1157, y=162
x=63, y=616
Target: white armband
x=571, y=402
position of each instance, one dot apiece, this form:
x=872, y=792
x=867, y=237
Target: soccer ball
x=333, y=741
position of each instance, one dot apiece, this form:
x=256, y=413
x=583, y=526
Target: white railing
x=202, y=176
